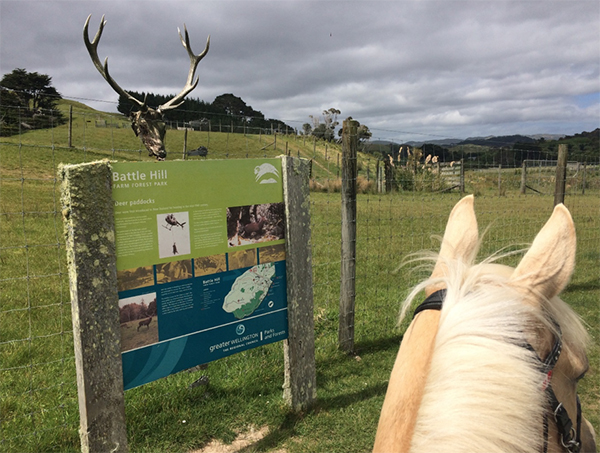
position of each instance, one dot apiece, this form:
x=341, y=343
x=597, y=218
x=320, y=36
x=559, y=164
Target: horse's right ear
x=548, y=265
x=460, y=240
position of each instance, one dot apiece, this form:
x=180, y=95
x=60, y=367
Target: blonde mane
x=483, y=386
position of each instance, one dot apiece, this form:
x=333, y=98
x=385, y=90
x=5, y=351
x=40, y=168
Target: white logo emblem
x=266, y=170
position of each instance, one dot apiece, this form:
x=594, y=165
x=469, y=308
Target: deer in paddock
x=254, y=229
x=147, y=123
x=145, y=322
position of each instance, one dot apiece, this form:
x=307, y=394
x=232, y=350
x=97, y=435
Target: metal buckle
x=572, y=445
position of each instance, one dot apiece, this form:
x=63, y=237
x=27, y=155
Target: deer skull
x=147, y=123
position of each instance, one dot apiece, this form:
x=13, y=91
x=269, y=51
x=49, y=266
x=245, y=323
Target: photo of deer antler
x=147, y=123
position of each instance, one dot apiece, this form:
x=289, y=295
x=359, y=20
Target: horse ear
x=460, y=239
x=548, y=265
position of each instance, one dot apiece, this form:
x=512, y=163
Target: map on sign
x=249, y=290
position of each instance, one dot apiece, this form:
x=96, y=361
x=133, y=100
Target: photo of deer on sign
x=139, y=321
x=255, y=223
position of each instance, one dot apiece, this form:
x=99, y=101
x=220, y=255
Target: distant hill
x=584, y=147
x=442, y=142
x=593, y=136
x=498, y=142
x=547, y=136
x=489, y=141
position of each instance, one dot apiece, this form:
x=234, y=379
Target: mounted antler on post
x=147, y=123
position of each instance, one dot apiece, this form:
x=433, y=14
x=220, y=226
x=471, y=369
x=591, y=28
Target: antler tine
x=190, y=84
x=92, y=48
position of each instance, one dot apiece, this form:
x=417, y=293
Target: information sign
x=200, y=262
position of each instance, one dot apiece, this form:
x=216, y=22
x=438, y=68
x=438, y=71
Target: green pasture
x=38, y=393
x=135, y=336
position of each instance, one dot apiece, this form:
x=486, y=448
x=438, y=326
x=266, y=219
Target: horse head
x=473, y=375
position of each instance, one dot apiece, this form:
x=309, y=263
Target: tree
x=330, y=118
x=323, y=133
x=325, y=130
x=28, y=99
x=34, y=91
x=363, y=135
x=233, y=105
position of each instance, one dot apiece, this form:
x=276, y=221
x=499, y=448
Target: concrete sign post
x=90, y=244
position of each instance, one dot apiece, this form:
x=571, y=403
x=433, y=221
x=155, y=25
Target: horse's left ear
x=548, y=265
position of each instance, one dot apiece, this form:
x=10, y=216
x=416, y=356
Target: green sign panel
x=200, y=262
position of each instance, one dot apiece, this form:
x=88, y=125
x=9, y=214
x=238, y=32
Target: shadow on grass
x=287, y=429
x=378, y=344
x=589, y=285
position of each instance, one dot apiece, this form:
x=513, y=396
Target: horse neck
x=406, y=385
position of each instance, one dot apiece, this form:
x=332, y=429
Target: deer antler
x=190, y=84
x=92, y=48
x=147, y=123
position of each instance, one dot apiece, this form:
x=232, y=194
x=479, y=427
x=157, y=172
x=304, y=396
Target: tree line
x=134, y=311
x=226, y=109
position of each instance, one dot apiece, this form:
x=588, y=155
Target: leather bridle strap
x=569, y=436
x=433, y=302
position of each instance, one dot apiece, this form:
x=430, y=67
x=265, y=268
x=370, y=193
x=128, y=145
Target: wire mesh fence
x=403, y=199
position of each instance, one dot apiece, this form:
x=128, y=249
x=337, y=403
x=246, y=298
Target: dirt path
x=241, y=442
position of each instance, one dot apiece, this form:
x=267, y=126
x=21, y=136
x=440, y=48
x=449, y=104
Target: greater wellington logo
x=266, y=174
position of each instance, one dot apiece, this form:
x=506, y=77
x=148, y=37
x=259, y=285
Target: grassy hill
x=97, y=135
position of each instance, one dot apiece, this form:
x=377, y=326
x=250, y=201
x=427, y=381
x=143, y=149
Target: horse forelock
x=483, y=386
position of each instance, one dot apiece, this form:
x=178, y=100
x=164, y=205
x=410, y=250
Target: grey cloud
x=454, y=68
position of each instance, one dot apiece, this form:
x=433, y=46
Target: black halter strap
x=569, y=437
x=433, y=302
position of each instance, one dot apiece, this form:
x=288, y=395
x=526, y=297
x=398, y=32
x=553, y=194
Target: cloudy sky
x=407, y=69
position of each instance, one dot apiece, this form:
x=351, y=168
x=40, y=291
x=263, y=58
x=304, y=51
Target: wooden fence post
x=583, y=178
x=561, y=175
x=348, y=266
x=87, y=208
x=70, y=130
x=300, y=381
x=524, y=177
x=500, y=180
x=462, y=176
x=185, y=132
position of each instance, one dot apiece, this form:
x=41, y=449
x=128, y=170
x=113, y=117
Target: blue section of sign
x=147, y=364
x=195, y=328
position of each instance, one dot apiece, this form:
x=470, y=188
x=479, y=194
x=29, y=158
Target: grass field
x=135, y=336
x=38, y=394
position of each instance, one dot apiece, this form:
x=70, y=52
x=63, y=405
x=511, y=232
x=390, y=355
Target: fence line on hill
x=397, y=212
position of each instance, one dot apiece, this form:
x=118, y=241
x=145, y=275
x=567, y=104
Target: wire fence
x=403, y=199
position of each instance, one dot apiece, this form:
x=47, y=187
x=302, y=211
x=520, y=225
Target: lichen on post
x=87, y=208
